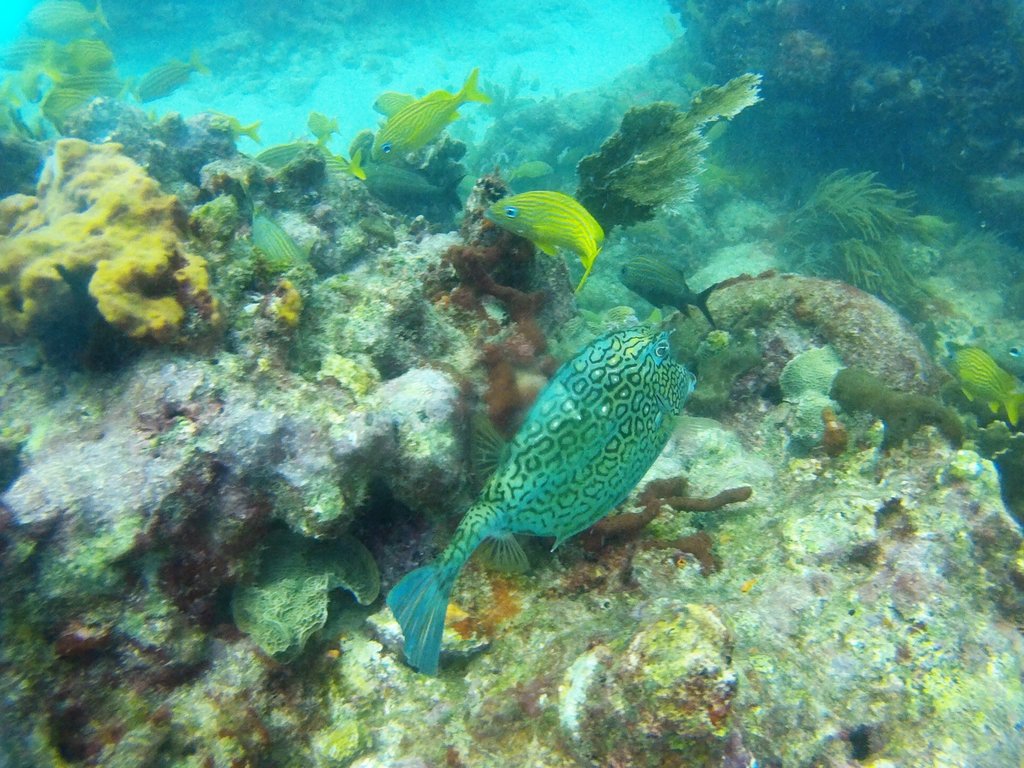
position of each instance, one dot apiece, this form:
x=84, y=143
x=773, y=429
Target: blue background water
x=277, y=61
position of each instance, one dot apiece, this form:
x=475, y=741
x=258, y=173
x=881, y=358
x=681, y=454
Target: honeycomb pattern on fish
x=589, y=438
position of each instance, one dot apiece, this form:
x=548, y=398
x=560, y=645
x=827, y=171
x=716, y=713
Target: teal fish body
x=589, y=438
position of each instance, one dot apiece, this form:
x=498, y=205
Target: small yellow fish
x=279, y=155
x=235, y=126
x=390, y=102
x=60, y=102
x=531, y=169
x=62, y=18
x=281, y=251
x=95, y=83
x=167, y=78
x=86, y=55
x=420, y=122
x=322, y=126
x=339, y=164
x=27, y=50
x=982, y=379
x=552, y=221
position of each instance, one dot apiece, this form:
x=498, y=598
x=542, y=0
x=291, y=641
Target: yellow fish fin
x=967, y=394
x=470, y=92
x=549, y=248
x=583, y=279
x=994, y=406
x=1013, y=404
x=98, y=14
x=355, y=165
x=197, y=64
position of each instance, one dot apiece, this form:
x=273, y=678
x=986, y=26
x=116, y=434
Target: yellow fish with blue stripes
x=982, y=379
x=553, y=222
x=421, y=121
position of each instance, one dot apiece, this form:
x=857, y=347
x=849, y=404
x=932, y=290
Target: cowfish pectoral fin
x=419, y=603
x=504, y=552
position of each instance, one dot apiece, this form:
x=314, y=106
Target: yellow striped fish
x=87, y=56
x=281, y=251
x=167, y=78
x=339, y=164
x=420, y=121
x=982, y=379
x=62, y=18
x=61, y=102
x=390, y=102
x=553, y=221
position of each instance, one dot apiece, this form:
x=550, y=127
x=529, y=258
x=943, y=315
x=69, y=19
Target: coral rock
x=668, y=693
x=98, y=220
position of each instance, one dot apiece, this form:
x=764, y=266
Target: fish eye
x=1016, y=351
x=661, y=349
x=386, y=147
x=511, y=211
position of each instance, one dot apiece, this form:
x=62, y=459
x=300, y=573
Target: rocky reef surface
x=195, y=525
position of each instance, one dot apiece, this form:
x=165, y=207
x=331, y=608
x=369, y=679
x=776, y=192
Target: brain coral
x=98, y=221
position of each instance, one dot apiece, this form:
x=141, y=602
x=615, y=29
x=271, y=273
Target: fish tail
x=702, y=303
x=253, y=131
x=197, y=65
x=470, y=92
x=1013, y=405
x=355, y=165
x=419, y=602
x=101, y=19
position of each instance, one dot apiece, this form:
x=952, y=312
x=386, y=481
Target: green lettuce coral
x=99, y=223
x=288, y=602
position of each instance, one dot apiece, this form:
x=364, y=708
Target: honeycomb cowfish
x=420, y=121
x=662, y=284
x=553, y=222
x=589, y=438
x=982, y=379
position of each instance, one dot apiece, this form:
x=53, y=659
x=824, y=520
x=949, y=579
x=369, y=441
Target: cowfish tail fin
x=470, y=91
x=702, y=303
x=101, y=19
x=419, y=602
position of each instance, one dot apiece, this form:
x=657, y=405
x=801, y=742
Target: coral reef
x=288, y=602
x=656, y=154
x=99, y=223
x=857, y=390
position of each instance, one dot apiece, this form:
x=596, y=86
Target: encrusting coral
x=98, y=220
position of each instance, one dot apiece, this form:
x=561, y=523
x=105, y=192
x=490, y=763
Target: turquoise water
x=269, y=410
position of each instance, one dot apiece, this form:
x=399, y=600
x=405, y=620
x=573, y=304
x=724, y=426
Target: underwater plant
x=853, y=227
x=657, y=153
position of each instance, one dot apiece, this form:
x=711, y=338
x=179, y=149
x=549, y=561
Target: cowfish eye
x=511, y=211
x=386, y=147
x=661, y=349
x=1016, y=351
